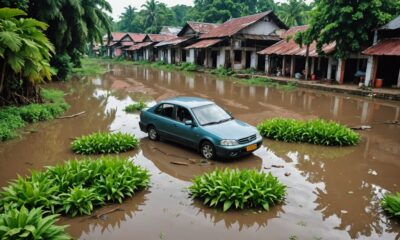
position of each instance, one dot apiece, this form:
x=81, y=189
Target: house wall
x=221, y=58
x=191, y=56
x=260, y=28
x=169, y=56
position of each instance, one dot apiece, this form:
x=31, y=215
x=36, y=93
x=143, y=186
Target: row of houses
x=264, y=43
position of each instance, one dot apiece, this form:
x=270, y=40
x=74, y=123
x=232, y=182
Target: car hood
x=233, y=129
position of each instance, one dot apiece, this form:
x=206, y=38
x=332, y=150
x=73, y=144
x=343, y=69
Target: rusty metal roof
x=116, y=36
x=139, y=46
x=204, y=43
x=287, y=46
x=175, y=41
x=160, y=37
x=127, y=44
x=235, y=25
x=386, y=47
x=137, y=37
x=198, y=27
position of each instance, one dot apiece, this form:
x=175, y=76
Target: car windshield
x=211, y=114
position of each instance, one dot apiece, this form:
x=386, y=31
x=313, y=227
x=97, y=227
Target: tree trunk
x=3, y=74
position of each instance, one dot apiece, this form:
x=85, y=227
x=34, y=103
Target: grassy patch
x=77, y=186
x=97, y=143
x=314, y=131
x=391, y=204
x=90, y=66
x=238, y=189
x=134, y=107
x=30, y=224
x=221, y=71
x=260, y=81
x=13, y=118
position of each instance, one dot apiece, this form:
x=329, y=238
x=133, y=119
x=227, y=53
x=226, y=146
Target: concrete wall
x=221, y=58
x=260, y=28
x=190, y=59
x=169, y=56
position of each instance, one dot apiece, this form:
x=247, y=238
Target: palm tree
x=151, y=11
x=25, y=53
x=291, y=12
x=127, y=18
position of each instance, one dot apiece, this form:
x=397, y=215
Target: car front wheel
x=153, y=134
x=207, y=150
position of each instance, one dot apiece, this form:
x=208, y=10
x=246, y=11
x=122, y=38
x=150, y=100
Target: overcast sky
x=118, y=5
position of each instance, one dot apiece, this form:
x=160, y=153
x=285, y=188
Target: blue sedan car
x=202, y=125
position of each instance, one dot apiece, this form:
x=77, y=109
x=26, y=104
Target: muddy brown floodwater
x=333, y=192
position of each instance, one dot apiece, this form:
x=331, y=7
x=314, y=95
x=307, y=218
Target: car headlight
x=228, y=142
x=258, y=135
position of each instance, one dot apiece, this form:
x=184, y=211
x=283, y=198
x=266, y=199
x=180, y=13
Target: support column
x=243, y=62
x=319, y=64
x=205, y=63
x=284, y=66
x=169, y=60
x=372, y=67
x=255, y=60
x=312, y=66
x=398, y=80
x=292, y=65
x=329, y=72
x=340, y=71
x=267, y=65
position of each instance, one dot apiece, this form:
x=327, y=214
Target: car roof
x=189, y=102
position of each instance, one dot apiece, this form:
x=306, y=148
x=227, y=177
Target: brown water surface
x=333, y=192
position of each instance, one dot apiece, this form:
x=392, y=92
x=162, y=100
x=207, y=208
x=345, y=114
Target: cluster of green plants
x=89, y=66
x=139, y=106
x=13, y=118
x=221, y=71
x=261, y=81
x=99, y=143
x=317, y=131
x=238, y=189
x=247, y=71
x=186, y=66
x=22, y=223
x=391, y=204
x=77, y=186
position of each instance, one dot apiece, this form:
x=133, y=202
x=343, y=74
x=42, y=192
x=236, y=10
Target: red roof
x=235, y=25
x=116, y=36
x=137, y=37
x=126, y=44
x=175, y=41
x=386, y=47
x=139, y=46
x=160, y=37
x=201, y=27
x=204, y=43
x=285, y=47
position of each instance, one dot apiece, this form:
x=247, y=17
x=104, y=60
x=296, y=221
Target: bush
x=62, y=64
x=139, y=106
x=314, y=131
x=222, y=71
x=391, y=204
x=30, y=224
x=12, y=118
x=76, y=187
x=186, y=66
x=238, y=189
x=104, y=143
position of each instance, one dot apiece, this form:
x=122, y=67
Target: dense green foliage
x=134, y=107
x=18, y=224
x=24, y=56
x=77, y=186
x=349, y=23
x=317, y=131
x=238, y=189
x=391, y=204
x=13, y=118
x=221, y=71
x=262, y=81
x=97, y=143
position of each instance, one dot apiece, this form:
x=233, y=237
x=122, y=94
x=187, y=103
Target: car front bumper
x=238, y=150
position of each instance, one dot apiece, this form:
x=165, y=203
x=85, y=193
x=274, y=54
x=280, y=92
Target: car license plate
x=251, y=147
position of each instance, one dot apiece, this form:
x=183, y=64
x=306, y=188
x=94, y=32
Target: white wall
x=260, y=28
x=191, y=56
x=221, y=58
x=169, y=56
x=253, y=60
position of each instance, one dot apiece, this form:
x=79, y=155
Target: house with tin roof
x=119, y=41
x=145, y=50
x=235, y=43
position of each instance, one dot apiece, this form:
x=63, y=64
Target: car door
x=187, y=134
x=165, y=113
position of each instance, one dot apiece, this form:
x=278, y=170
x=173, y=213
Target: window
x=165, y=110
x=210, y=114
x=238, y=56
x=183, y=115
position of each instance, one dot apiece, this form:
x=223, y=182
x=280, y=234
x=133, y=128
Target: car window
x=210, y=114
x=165, y=110
x=182, y=115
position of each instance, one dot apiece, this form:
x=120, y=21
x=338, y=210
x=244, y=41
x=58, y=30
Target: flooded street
x=333, y=192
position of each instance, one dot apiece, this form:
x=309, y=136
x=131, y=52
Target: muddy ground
x=333, y=192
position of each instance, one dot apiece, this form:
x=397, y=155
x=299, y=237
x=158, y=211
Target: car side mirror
x=189, y=122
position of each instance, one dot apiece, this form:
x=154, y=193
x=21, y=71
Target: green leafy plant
x=318, y=131
x=104, y=143
x=139, y=106
x=221, y=71
x=238, y=189
x=391, y=204
x=16, y=224
x=77, y=186
x=186, y=66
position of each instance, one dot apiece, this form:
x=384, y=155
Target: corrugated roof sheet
x=386, y=47
x=392, y=25
x=126, y=44
x=234, y=25
x=173, y=42
x=201, y=27
x=137, y=37
x=139, y=46
x=171, y=30
x=116, y=36
x=160, y=37
x=285, y=47
x=204, y=43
